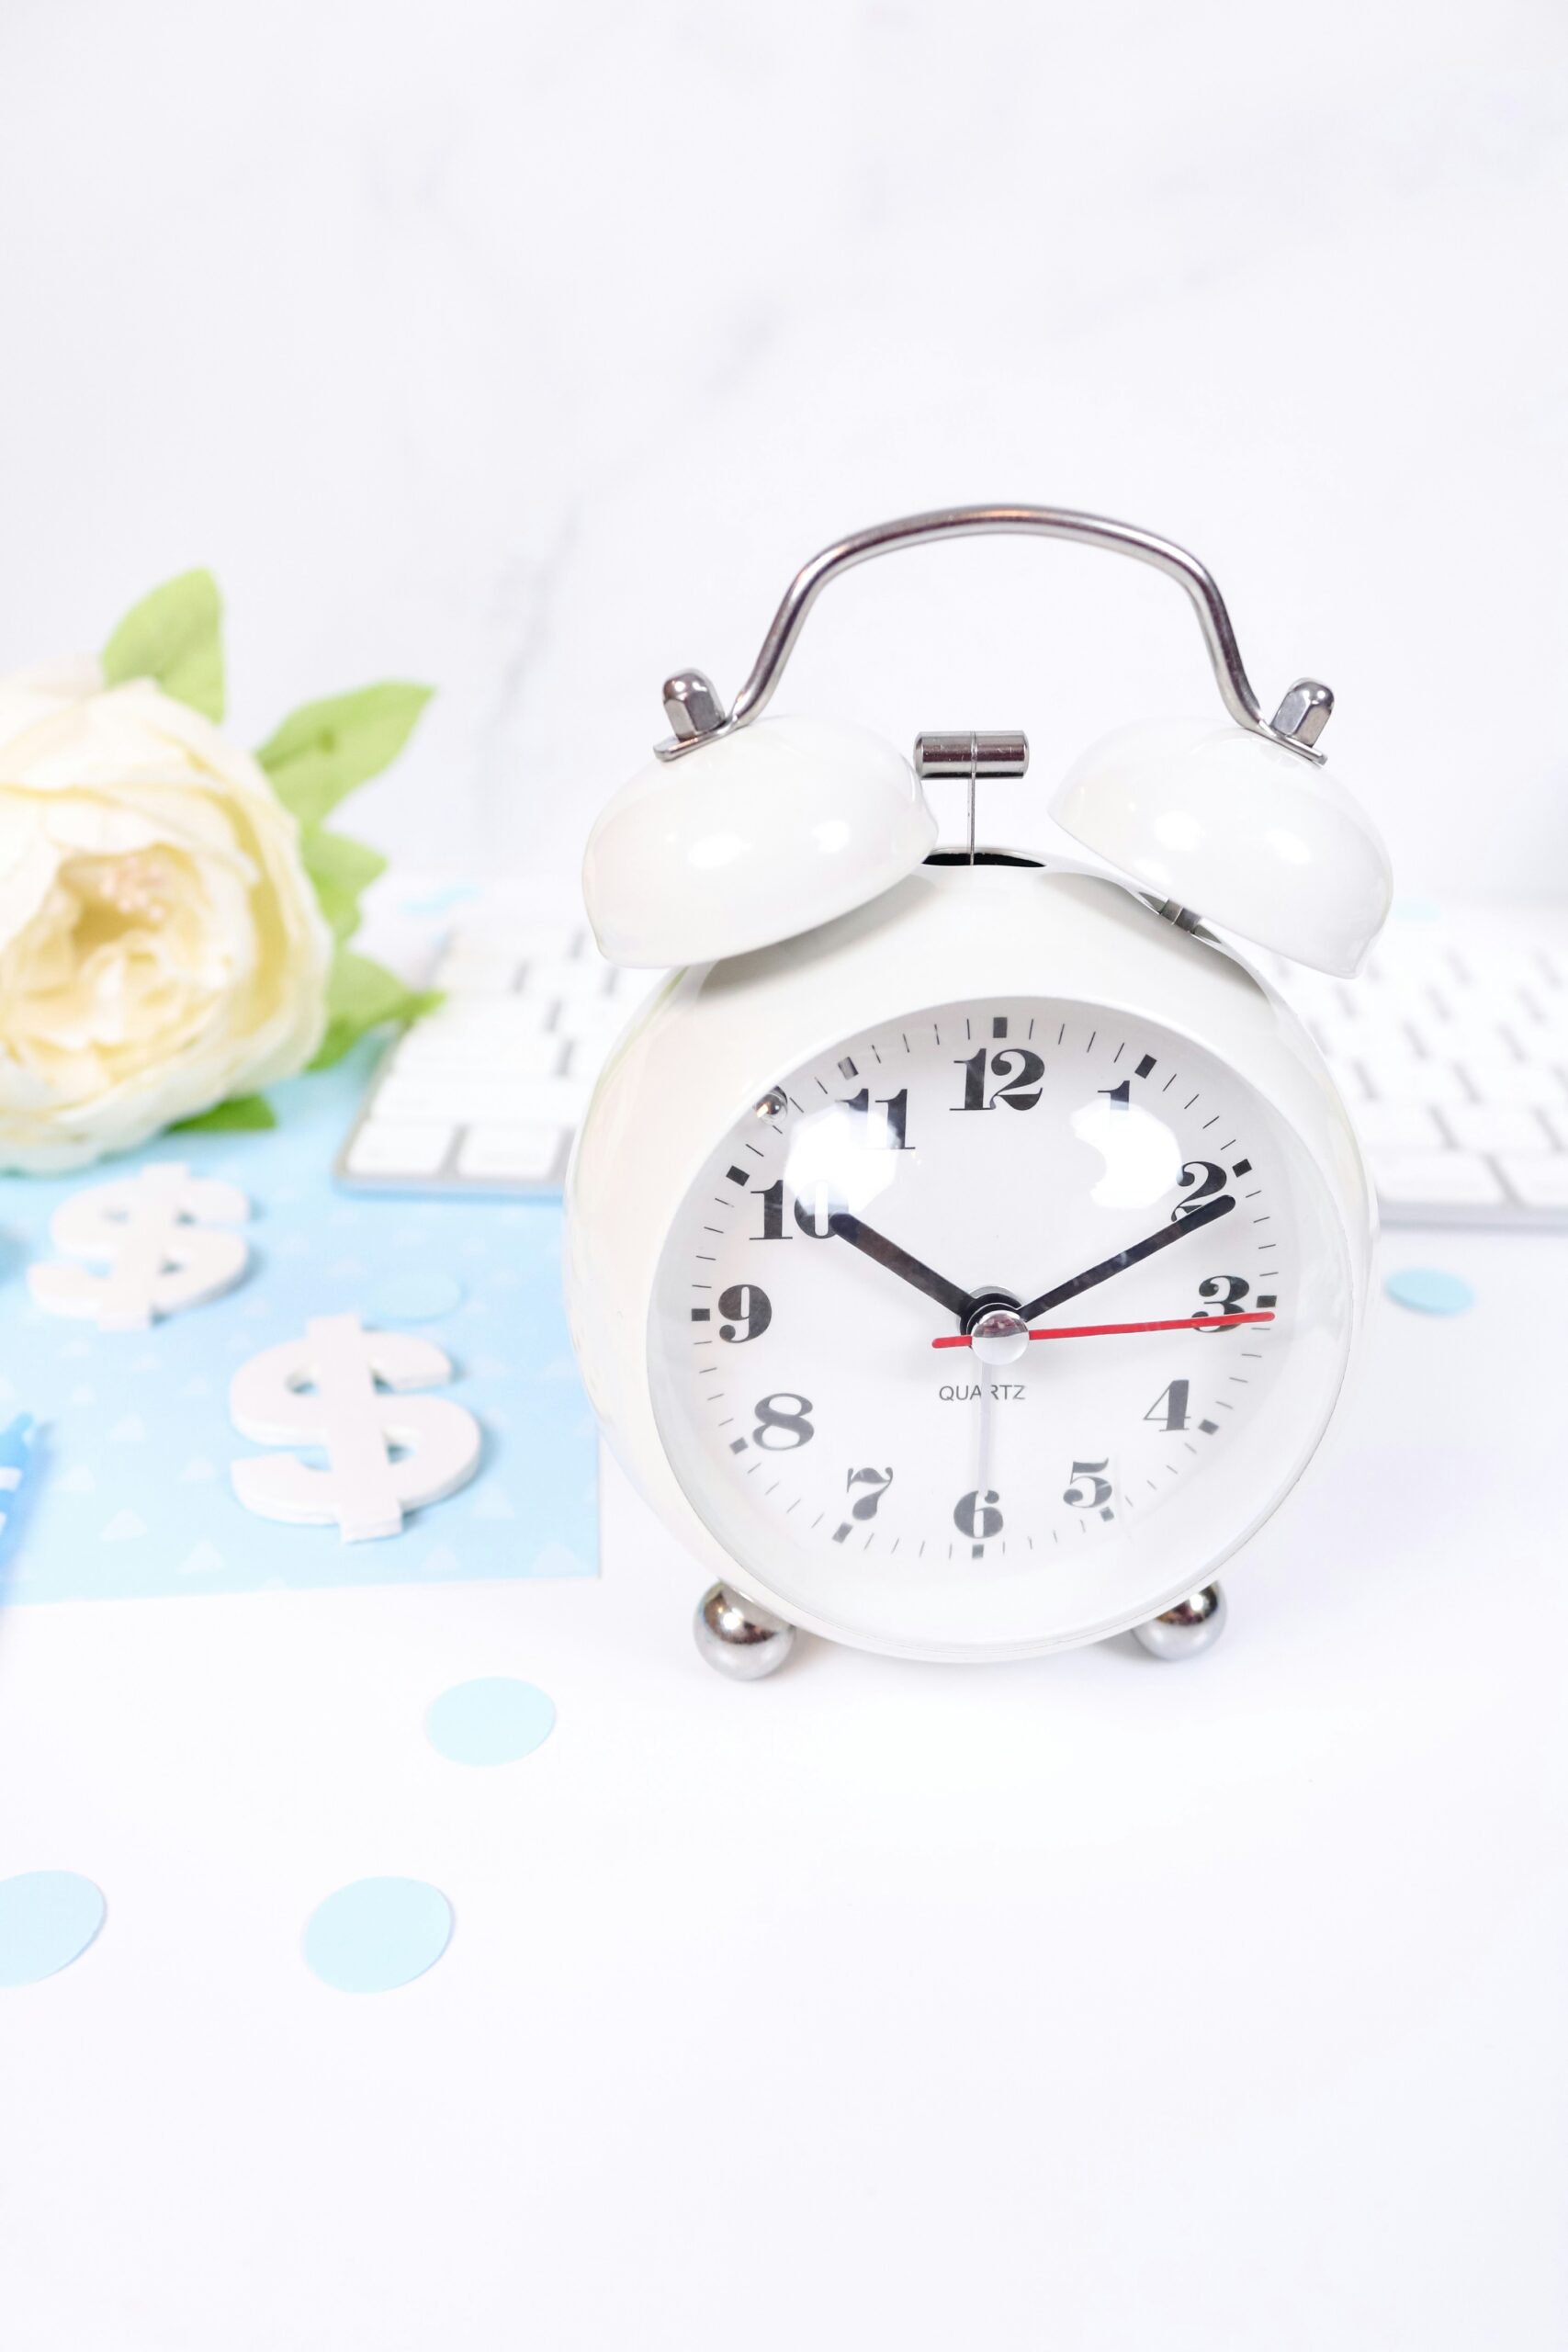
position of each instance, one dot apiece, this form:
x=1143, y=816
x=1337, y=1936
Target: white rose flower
x=160, y=946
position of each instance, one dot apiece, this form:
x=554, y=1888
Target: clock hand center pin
x=1000, y=1335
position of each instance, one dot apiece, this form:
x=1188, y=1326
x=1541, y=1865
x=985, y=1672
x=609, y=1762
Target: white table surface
x=1084, y=2003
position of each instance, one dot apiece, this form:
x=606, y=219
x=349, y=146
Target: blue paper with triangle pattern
x=124, y=1487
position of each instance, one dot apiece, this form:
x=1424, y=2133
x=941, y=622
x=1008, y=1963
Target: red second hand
x=1110, y=1330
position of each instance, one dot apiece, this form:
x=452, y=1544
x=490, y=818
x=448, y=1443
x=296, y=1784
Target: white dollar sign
x=321, y=1390
x=158, y=1236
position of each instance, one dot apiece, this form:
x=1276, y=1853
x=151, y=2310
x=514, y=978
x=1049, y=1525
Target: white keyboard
x=484, y=1094
x=1451, y=1049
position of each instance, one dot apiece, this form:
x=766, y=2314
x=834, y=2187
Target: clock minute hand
x=875, y=1245
x=1187, y=1223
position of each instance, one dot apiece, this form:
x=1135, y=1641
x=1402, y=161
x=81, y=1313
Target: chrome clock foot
x=1193, y=1626
x=738, y=1638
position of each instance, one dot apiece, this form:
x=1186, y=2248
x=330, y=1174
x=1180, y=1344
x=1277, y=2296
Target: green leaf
x=241, y=1115
x=361, y=994
x=339, y=870
x=324, y=751
x=176, y=637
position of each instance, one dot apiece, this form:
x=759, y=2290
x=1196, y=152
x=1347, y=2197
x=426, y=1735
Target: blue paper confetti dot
x=47, y=1919
x=377, y=1934
x=1429, y=1291
x=491, y=1721
x=415, y=1298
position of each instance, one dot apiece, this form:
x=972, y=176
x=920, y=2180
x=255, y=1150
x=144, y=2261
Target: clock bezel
x=1013, y=1607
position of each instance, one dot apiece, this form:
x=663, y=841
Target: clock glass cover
x=997, y=1326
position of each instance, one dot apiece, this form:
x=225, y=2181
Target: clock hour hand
x=1188, y=1222
x=875, y=1245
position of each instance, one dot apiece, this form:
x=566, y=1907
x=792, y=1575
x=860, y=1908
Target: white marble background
x=530, y=349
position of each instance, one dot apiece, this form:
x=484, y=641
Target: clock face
x=997, y=1326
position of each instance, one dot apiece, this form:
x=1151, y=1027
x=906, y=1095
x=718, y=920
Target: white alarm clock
x=964, y=1254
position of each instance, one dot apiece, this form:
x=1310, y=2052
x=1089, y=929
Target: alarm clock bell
x=743, y=831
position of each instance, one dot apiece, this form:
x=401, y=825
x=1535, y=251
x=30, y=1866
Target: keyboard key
x=476, y=1098
x=549, y=1102
x=1398, y=1126
x=1438, y=1179
x=473, y=1059
x=1500, y=1005
x=524, y=937
x=1495, y=1126
x=487, y=974
x=399, y=1147
x=595, y=1027
x=1546, y=1040
x=455, y=1058
x=1391, y=1079
x=1529, y=1083
x=494, y=1016
x=1463, y=1041
x=525, y=1149
x=1539, y=1179
x=1355, y=1040
x=550, y=979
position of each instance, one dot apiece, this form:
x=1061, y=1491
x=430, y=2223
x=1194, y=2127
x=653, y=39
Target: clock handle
x=698, y=716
